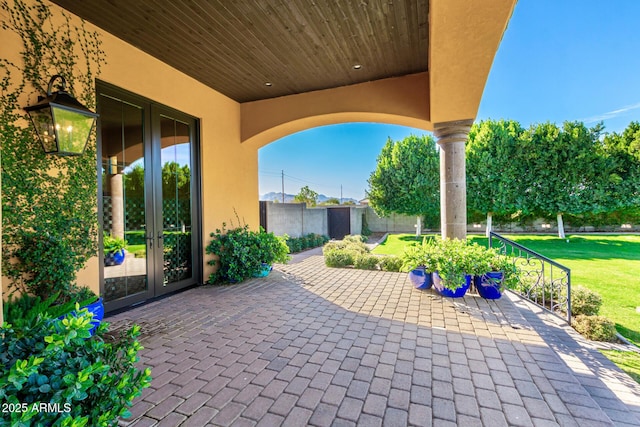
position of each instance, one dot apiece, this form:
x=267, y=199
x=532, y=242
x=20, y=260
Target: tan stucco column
x=452, y=137
x=116, y=188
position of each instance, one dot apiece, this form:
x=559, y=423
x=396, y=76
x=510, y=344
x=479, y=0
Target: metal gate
x=263, y=214
x=339, y=222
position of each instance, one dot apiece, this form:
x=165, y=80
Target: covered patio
x=239, y=76
x=311, y=345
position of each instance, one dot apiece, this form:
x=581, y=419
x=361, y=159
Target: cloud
x=611, y=114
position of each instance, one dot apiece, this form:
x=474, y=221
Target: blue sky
x=559, y=60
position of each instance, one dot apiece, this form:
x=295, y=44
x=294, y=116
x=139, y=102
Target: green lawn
x=626, y=360
x=138, y=250
x=606, y=264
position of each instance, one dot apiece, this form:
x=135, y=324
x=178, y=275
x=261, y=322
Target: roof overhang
x=252, y=51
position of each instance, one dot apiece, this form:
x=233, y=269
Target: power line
x=302, y=180
x=324, y=187
x=269, y=173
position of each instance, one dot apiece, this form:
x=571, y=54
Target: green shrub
x=390, y=263
x=332, y=246
x=21, y=311
x=366, y=262
x=339, y=258
x=356, y=238
x=343, y=253
x=272, y=248
x=93, y=382
x=240, y=252
x=294, y=244
x=341, y=245
x=44, y=265
x=311, y=240
x=366, y=231
x=596, y=328
x=319, y=240
x=584, y=301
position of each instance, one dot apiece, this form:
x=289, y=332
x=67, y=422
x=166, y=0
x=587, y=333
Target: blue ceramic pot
x=488, y=285
x=114, y=258
x=420, y=278
x=266, y=269
x=457, y=293
x=97, y=308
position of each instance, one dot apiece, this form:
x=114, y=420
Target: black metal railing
x=542, y=280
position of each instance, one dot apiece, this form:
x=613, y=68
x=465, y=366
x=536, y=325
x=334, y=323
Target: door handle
x=150, y=240
x=160, y=235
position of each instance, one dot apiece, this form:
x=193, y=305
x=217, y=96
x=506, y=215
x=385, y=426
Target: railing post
x=569, y=297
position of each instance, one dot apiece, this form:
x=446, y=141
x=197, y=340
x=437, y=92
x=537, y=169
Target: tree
x=134, y=181
x=491, y=173
x=331, y=201
x=306, y=195
x=406, y=180
x=565, y=167
x=176, y=181
x=621, y=154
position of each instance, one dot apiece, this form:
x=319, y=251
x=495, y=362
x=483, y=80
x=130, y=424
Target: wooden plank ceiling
x=237, y=47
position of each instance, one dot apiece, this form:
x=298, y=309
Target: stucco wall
x=295, y=219
x=394, y=223
x=356, y=218
x=229, y=169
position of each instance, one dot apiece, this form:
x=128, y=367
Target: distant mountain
x=270, y=197
x=288, y=198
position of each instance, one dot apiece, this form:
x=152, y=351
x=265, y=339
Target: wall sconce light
x=62, y=123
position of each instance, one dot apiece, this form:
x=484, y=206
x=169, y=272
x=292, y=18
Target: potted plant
x=114, y=250
x=84, y=298
x=240, y=253
x=500, y=274
x=420, y=262
x=44, y=268
x=453, y=263
x=272, y=249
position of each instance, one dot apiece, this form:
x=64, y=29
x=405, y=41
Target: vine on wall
x=46, y=196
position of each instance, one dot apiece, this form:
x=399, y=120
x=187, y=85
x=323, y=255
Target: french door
x=149, y=193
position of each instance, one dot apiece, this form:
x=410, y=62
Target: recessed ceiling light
x=268, y=84
x=357, y=66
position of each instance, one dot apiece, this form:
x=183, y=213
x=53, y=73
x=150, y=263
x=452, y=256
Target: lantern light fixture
x=62, y=123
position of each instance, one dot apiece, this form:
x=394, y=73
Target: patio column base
x=452, y=137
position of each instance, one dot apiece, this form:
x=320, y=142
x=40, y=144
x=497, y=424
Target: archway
x=334, y=161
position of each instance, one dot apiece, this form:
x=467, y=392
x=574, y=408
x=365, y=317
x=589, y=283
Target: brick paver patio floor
x=310, y=345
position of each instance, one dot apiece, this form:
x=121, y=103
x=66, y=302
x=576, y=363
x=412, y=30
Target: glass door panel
x=149, y=197
x=175, y=158
x=123, y=198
